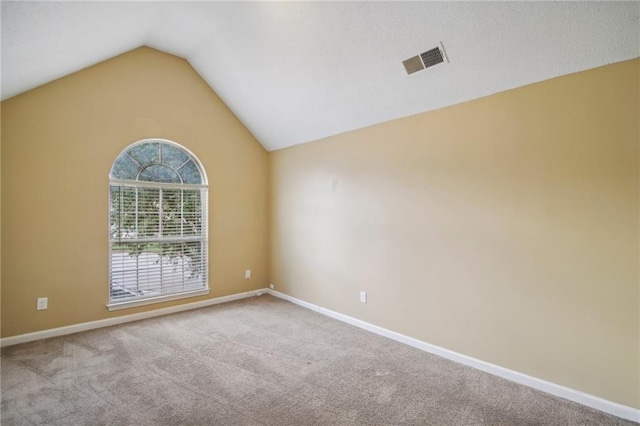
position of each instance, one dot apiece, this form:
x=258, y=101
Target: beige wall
x=505, y=228
x=58, y=144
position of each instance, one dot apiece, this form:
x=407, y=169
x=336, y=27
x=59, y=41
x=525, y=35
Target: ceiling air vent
x=431, y=57
x=425, y=60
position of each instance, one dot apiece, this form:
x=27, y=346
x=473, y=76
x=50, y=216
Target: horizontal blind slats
x=158, y=241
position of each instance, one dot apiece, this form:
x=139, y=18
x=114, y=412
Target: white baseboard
x=76, y=328
x=592, y=401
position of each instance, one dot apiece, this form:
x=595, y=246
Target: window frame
x=203, y=238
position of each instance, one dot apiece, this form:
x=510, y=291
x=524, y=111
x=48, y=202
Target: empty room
x=320, y=213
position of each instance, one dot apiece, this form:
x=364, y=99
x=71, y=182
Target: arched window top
x=158, y=160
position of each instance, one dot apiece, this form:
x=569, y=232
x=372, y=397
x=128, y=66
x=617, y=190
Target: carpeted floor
x=259, y=361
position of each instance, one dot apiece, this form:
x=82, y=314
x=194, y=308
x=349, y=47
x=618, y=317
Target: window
x=157, y=225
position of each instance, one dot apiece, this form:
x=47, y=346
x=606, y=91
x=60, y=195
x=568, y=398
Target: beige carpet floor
x=259, y=361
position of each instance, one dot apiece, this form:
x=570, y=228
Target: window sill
x=116, y=306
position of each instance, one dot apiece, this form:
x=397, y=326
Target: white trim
x=152, y=184
x=116, y=306
x=592, y=401
x=75, y=328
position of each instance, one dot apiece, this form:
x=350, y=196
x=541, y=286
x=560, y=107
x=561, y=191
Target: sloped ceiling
x=294, y=72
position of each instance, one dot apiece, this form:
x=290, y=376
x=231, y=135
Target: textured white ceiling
x=294, y=72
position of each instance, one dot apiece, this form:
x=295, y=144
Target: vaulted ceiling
x=294, y=72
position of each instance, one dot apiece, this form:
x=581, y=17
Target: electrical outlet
x=43, y=302
x=247, y=273
x=363, y=296
x=272, y=286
